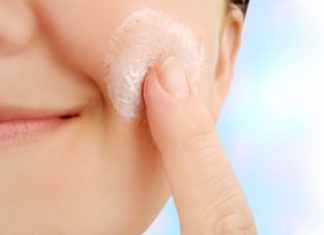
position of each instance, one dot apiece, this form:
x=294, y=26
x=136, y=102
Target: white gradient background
x=272, y=125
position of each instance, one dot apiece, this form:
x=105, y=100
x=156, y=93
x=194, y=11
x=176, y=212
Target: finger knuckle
x=231, y=218
x=201, y=142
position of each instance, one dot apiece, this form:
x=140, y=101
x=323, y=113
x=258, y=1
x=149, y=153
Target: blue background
x=272, y=123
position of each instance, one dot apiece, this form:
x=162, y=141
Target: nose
x=17, y=26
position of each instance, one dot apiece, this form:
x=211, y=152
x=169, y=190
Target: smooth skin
x=98, y=173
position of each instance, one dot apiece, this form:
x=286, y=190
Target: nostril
x=17, y=26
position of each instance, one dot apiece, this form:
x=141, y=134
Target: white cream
x=143, y=40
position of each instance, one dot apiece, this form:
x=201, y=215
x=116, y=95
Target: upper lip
x=14, y=113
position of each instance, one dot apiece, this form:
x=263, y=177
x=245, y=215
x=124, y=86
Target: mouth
x=20, y=125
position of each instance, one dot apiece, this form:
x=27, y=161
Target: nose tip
x=17, y=26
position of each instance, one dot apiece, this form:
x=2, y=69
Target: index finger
x=207, y=194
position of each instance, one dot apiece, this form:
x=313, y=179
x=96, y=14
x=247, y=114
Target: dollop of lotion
x=144, y=39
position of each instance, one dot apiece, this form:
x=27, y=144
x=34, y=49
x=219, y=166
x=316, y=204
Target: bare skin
x=207, y=195
x=96, y=173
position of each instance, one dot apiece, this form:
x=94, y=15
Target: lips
x=19, y=125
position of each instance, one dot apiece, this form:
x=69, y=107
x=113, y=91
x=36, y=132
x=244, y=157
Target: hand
x=207, y=195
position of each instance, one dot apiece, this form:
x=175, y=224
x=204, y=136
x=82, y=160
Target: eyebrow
x=242, y=4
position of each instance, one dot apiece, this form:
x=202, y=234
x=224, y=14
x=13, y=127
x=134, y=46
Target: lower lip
x=17, y=132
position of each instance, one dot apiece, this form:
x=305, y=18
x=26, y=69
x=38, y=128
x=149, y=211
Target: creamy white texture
x=143, y=40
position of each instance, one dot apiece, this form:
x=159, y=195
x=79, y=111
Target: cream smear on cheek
x=144, y=39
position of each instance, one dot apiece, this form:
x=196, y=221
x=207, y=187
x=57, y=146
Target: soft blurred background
x=272, y=125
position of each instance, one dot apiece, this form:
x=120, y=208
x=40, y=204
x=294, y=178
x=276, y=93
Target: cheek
x=78, y=31
x=144, y=40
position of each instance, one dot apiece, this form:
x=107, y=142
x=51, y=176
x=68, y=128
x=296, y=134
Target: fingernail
x=172, y=77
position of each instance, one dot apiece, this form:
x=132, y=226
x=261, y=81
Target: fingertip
x=173, y=78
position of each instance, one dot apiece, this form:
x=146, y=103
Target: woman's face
x=91, y=172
